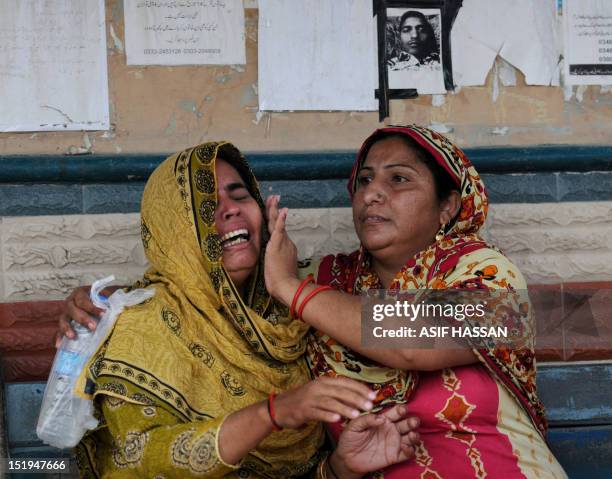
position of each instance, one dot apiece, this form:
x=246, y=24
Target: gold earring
x=441, y=232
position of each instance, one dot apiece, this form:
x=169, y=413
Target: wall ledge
x=273, y=166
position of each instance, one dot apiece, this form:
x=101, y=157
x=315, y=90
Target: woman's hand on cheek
x=281, y=254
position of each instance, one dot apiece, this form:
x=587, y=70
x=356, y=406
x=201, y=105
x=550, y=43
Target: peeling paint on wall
x=84, y=149
x=503, y=130
x=171, y=126
x=440, y=127
x=188, y=106
x=108, y=135
x=248, y=96
x=223, y=78
x=136, y=74
x=118, y=43
x=438, y=100
x=580, y=93
x=258, y=116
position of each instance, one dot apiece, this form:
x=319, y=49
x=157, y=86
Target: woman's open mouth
x=234, y=238
x=374, y=219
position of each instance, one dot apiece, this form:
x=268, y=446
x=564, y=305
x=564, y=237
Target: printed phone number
x=36, y=465
x=177, y=51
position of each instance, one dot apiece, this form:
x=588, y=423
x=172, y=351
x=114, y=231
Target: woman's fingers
x=272, y=203
x=81, y=310
x=82, y=301
x=349, y=392
x=365, y=422
x=356, y=386
x=411, y=440
x=413, y=437
x=414, y=422
x=339, y=406
x=59, y=336
x=279, y=227
x=406, y=425
x=65, y=329
x=396, y=413
x=77, y=307
x=276, y=218
x=324, y=399
x=325, y=416
x=406, y=453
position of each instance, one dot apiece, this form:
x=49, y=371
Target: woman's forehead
x=223, y=166
x=228, y=173
x=392, y=149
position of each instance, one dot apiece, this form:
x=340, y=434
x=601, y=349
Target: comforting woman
x=418, y=205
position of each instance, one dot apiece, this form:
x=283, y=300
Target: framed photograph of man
x=414, y=47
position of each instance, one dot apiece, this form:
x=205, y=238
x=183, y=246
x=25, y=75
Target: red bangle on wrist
x=275, y=426
x=311, y=295
x=309, y=279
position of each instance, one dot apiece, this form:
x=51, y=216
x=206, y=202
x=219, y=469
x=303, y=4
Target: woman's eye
x=399, y=179
x=364, y=180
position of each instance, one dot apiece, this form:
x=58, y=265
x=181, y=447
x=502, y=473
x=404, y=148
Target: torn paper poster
x=317, y=55
x=523, y=32
x=207, y=32
x=53, y=68
x=588, y=42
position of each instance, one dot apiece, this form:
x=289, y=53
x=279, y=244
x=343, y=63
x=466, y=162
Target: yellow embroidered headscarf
x=197, y=348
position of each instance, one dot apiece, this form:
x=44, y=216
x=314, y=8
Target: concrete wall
x=164, y=109
x=45, y=257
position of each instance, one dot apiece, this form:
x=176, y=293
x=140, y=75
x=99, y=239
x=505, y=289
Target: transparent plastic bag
x=65, y=415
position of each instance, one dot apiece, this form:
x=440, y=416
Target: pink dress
x=471, y=428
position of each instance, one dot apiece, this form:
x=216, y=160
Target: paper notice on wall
x=53, y=73
x=170, y=32
x=523, y=32
x=317, y=55
x=588, y=42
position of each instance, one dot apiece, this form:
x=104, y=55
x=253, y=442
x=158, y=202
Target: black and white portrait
x=413, y=40
x=414, y=49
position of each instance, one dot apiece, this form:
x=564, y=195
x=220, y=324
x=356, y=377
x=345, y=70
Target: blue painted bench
x=578, y=398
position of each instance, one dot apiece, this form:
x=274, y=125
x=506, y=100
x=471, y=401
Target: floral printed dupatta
x=460, y=260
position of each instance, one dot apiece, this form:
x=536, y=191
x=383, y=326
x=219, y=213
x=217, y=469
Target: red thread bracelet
x=309, y=279
x=311, y=295
x=275, y=426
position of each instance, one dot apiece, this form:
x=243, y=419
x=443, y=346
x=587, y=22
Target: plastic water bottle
x=65, y=417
